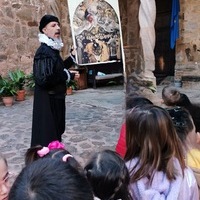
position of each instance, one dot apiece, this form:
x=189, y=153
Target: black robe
x=49, y=96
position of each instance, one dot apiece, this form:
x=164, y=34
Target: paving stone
x=93, y=121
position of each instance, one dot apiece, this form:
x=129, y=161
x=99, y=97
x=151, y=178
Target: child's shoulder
x=193, y=158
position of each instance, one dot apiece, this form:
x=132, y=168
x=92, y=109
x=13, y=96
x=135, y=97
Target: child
x=5, y=177
x=55, y=150
x=173, y=97
x=108, y=176
x=154, y=157
x=131, y=102
x=50, y=179
x=170, y=95
x=185, y=129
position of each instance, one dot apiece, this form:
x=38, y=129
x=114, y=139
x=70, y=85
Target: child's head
x=55, y=150
x=4, y=178
x=170, y=95
x=133, y=101
x=108, y=176
x=50, y=179
x=184, y=126
x=183, y=101
x=151, y=137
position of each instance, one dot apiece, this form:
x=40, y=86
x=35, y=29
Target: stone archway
x=139, y=42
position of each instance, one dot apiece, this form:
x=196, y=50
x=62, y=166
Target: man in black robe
x=50, y=73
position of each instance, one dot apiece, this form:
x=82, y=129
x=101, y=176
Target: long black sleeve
x=68, y=62
x=48, y=70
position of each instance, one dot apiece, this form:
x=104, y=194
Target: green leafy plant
x=18, y=77
x=7, y=87
x=30, y=82
x=72, y=84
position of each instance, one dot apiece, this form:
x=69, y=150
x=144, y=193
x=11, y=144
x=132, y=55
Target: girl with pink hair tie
x=54, y=150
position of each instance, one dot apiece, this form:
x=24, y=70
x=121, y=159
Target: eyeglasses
x=7, y=179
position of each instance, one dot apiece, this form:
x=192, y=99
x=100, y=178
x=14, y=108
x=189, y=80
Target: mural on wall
x=96, y=30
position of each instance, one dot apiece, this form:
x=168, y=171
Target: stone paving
x=93, y=121
x=93, y=118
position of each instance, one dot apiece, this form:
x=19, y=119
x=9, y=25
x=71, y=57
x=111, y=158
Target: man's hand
x=73, y=50
x=77, y=75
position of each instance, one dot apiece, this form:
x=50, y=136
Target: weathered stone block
x=17, y=30
x=16, y=5
x=3, y=58
x=25, y=14
x=33, y=23
x=9, y=12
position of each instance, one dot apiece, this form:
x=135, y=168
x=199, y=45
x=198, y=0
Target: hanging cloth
x=174, y=26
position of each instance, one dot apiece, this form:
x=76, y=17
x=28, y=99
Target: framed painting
x=96, y=31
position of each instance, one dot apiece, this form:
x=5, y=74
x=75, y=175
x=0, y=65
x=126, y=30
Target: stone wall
x=19, y=28
x=188, y=44
x=19, y=21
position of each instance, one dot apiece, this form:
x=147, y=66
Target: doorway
x=164, y=55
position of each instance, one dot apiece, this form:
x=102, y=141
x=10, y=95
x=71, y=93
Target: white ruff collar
x=50, y=42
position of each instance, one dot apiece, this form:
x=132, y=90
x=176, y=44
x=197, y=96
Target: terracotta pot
x=8, y=101
x=69, y=91
x=20, y=95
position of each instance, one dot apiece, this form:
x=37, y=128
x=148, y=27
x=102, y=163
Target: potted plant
x=30, y=82
x=71, y=85
x=7, y=91
x=18, y=77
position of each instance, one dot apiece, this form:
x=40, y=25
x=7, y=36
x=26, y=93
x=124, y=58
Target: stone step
x=191, y=81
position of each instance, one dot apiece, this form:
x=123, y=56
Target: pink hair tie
x=65, y=157
x=42, y=152
x=56, y=145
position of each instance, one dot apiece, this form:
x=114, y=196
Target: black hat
x=47, y=19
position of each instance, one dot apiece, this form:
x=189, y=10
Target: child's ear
x=162, y=101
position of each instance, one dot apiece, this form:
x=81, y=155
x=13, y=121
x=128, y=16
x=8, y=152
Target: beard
x=58, y=44
x=55, y=43
x=58, y=40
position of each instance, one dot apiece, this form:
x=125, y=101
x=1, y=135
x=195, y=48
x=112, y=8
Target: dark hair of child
x=172, y=97
x=182, y=121
x=133, y=101
x=32, y=155
x=108, y=176
x=50, y=179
